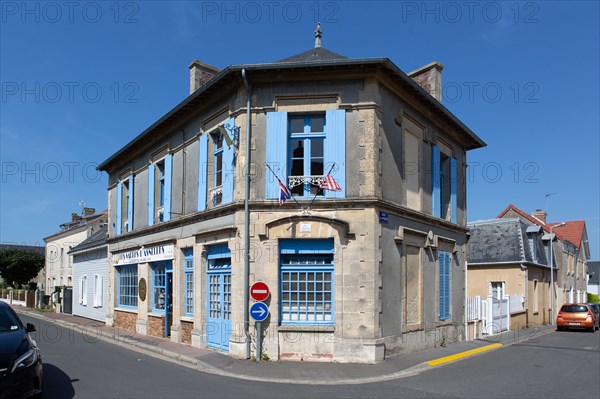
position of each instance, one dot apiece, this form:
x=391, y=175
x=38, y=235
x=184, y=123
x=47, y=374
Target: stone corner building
x=374, y=269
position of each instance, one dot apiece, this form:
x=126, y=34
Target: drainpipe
x=247, y=219
x=526, y=270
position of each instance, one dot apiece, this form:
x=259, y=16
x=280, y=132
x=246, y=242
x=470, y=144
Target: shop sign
x=145, y=255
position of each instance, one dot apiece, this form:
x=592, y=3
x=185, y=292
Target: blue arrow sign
x=259, y=311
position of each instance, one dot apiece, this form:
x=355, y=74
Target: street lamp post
x=552, y=273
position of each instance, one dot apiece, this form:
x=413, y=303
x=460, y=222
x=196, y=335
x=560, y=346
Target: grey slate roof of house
x=504, y=241
x=594, y=271
x=313, y=55
x=313, y=58
x=96, y=240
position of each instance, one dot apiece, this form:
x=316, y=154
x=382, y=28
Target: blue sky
x=81, y=79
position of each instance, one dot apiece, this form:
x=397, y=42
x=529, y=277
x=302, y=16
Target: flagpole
x=291, y=195
x=316, y=192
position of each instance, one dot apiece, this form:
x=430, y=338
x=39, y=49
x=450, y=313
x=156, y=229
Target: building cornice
x=271, y=205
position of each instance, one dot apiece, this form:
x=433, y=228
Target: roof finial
x=318, y=34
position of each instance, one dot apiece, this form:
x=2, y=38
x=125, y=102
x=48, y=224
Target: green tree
x=17, y=267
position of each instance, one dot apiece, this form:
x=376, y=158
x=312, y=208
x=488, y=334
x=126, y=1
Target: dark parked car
x=20, y=358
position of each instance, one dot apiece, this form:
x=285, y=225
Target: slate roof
x=594, y=272
x=314, y=59
x=96, y=240
x=572, y=232
x=504, y=241
x=315, y=55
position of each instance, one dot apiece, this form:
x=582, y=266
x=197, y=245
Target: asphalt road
x=558, y=365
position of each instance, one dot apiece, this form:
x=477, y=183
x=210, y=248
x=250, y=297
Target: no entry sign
x=259, y=291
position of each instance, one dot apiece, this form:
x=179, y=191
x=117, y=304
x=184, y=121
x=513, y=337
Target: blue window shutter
x=276, y=156
x=335, y=150
x=440, y=287
x=453, y=210
x=202, y=171
x=228, y=165
x=119, y=207
x=435, y=181
x=151, y=168
x=444, y=286
x=168, y=181
x=448, y=290
x=130, y=205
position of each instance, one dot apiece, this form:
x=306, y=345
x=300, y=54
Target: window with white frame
x=83, y=290
x=160, y=189
x=124, y=211
x=497, y=289
x=217, y=192
x=98, y=291
x=128, y=286
x=189, y=281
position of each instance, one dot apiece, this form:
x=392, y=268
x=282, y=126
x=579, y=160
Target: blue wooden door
x=218, y=326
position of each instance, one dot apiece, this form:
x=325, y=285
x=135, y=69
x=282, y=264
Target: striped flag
x=284, y=193
x=330, y=184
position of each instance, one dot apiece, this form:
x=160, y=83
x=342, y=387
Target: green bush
x=592, y=298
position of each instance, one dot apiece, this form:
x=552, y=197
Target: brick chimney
x=75, y=217
x=429, y=77
x=200, y=73
x=540, y=214
x=88, y=211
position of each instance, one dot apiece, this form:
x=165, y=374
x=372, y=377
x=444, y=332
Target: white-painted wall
x=90, y=265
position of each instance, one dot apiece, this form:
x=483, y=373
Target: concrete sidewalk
x=214, y=362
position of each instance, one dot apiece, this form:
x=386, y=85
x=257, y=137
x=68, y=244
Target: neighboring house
x=593, y=286
x=372, y=269
x=90, y=276
x=59, y=264
x=507, y=259
x=571, y=251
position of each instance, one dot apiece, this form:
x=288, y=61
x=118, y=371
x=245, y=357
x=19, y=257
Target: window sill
x=155, y=314
x=126, y=310
x=189, y=319
x=307, y=328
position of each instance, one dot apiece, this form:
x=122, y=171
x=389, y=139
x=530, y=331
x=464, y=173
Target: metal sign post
x=258, y=341
x=259, y=292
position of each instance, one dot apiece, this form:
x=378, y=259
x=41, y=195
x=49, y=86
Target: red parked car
x=577, y=315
